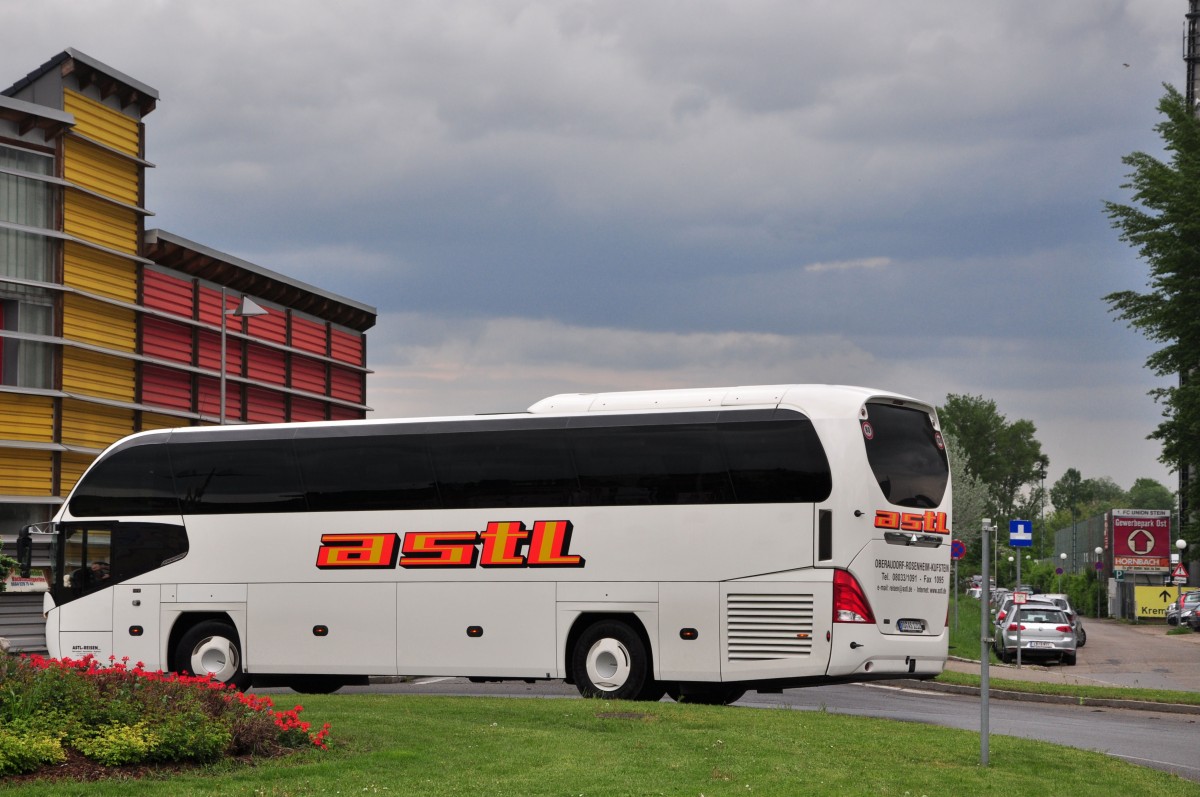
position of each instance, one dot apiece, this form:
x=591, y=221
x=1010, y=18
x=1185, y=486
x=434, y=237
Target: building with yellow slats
x=107, y=327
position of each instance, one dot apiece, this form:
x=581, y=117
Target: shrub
x=115, y=744
x=26, y=750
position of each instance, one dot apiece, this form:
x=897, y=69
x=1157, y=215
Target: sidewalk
x=1117, y=654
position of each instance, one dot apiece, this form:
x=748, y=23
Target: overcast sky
x=548, y=197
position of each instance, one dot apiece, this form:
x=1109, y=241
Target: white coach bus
x=696, y=543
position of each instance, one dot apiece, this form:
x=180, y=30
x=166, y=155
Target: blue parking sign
x=1020, y=533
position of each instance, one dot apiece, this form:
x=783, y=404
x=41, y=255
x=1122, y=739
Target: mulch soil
x=79, y=768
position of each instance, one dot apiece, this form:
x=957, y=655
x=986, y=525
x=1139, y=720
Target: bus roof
x=816, y=401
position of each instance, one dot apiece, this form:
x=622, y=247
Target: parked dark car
x=1183, y=607
x=1193, y=621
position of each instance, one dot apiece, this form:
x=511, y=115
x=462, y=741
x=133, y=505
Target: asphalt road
x=1116, y=654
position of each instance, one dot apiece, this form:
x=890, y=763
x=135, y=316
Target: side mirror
x=24, y=551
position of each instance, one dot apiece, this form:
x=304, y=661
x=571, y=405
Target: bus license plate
x=911, y=626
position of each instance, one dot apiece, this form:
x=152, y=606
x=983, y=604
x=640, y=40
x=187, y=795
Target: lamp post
x=1181, y=546
x=247, y=308
x=1016, y=573
x=1062, y=558
x=1041, y=474
x=985, y=642
x=1099, y=570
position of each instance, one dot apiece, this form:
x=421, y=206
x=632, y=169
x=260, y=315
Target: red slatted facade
x=308, y=375
x=309, y=335
x=307, y=409
x=299, y=362
x=265, y=365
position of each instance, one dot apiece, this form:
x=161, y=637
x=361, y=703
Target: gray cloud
x=552, y=196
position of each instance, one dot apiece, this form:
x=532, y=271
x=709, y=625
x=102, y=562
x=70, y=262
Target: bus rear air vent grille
x=769, y=626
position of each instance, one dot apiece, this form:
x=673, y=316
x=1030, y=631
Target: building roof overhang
x=28, y=116
x=239, y=275
x=90, y=72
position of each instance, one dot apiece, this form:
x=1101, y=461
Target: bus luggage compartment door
x=136, y=623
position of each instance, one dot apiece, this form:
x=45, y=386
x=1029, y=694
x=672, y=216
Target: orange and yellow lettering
x=440, y=549
x=356, y=550
x=500, y=543
x=886, y=520
x=551, y=538
x=936, y=522
x=911, y=521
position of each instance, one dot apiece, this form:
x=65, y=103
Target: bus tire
x=609, y=661
x=706, y=694
x=212, y=647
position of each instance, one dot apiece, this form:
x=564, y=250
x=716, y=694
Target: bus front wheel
x=212, y=647
x=609, y=661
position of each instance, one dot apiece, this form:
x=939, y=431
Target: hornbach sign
x=1141, y=540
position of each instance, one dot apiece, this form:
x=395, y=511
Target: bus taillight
x=849, y=601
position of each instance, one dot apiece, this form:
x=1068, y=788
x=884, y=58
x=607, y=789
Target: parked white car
x=1064, y=603
x=1041, y=629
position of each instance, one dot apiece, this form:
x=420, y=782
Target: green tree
x=1075, y=496
x=970, y=499
x=1004, y=456
x=1164, y=227
x=1149, y=494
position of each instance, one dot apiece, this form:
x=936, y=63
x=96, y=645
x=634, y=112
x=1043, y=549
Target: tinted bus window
x=237, y=476
x=776, y=461
x=134, y=481
x=906, y=455
x=503, y=469
x=345, y=474
x=629, y=465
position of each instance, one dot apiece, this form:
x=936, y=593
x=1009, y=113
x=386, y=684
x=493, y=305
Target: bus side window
x=776, y=461
x=345, y=474
x=130, y=481
x=237, y=476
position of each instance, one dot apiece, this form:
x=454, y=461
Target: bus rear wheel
x=212, y=647
x=609, y=661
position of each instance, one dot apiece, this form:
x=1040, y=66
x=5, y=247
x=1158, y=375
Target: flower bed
x=54, y=712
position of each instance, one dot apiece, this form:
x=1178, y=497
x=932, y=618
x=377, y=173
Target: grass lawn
x=400, y=745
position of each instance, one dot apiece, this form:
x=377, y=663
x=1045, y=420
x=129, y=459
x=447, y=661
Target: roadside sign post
x=985, y=641
x=1020, y=535
x=1019, y=599
x=958, y=549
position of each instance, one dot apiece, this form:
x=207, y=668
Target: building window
x=27, y=201
x=22, y=160
x=23, y=362
x=26, y=259
x=25, y=256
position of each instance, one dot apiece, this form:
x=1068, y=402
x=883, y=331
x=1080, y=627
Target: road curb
x=1035, y=697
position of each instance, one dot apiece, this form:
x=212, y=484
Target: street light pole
x=1099, y=570
x=985, y=643
x=1181, y=546
x=247, y=308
